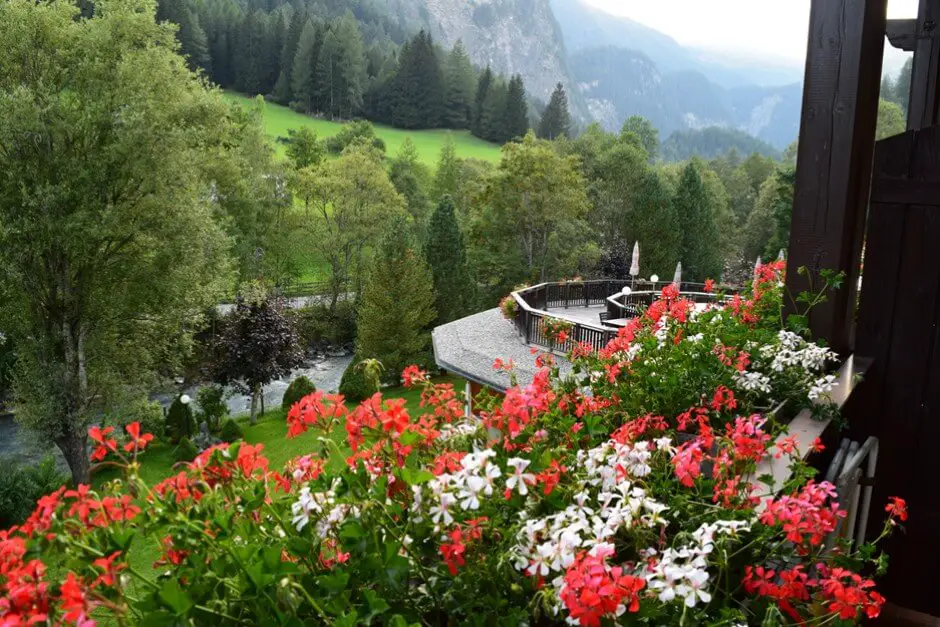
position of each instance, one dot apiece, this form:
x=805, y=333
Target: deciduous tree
x=109, y=248
x=257, y=344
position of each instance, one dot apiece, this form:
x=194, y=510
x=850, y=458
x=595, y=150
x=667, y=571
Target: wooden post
x=924, y=106
x=837, y=139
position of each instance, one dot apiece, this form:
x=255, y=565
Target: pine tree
x=282, y=88
x=655, y=224
x=350, y=66
x=275, y=45
x=902, y=86
x=303, y=71
x=484, y=83
x=193, y=42
x=447, y=175
x=516, y=117
x=493, y=117
x=700, y=251
x=556, y=121
x=459, y=88
x=447, y=257
x=418, y=88
x=397, y=306
x=251, y=57
x=327, y=80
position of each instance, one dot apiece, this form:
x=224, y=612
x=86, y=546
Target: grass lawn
x=277, y=119
x=271, y=430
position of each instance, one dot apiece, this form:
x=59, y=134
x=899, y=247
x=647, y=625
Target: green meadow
x=277, y=119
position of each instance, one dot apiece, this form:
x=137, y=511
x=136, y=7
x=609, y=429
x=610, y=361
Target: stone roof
x=468, y=347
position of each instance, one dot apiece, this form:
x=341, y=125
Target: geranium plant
x=568, y=500
x=557, y=330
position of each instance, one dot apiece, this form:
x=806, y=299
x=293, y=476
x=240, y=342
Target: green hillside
x=277, y=119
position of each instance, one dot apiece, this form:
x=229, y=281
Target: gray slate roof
x=468, y=347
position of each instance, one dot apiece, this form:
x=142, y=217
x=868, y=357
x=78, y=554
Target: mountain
x=619, y=82
x=585, y=26
x=512, y=36
x=712, y=142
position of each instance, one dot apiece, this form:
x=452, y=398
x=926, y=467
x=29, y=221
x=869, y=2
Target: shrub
x=355, y=385
x=231, y=431
x=21, y=486
x=358, y=131
x=298, y=388
x=185, y=451
x=211, y=399
x=180, y=422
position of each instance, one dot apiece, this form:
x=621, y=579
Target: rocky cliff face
x=512, y=36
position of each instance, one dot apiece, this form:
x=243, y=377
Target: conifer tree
x=350, y=71
x=655, y=224
x=251, y=57
x=484, y=83
x=556, y=121
x=458, y=88
x=326, y=75
x=193, y=42
x=397, y=305
x=274, y=45
x=447, y=257
x=303, y=71
x=701, y=250
x=282, y=88
x=447, y=174
x=493, y=117
x=516, y=117
x=418, y=88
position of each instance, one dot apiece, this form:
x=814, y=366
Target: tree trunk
x=255, y=395
x=73, y=447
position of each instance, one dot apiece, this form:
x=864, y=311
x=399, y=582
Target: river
x=325, y=372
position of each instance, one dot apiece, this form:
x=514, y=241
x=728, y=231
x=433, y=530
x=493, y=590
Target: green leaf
x=272, y=558
x=334, y=584
x=351, y=531
x=415, y=477
x=377, y=605
x=175, y=597
x=159, y=618
x=347, y=620
x=409, y=437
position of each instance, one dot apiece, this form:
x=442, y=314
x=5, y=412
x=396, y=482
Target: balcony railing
x=534, y=304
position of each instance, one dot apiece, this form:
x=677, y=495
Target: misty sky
x=767, y=28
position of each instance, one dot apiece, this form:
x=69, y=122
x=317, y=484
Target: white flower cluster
x=683, y=573
x=322, y=507
x=548, y=546
x=822, y=387
x=752, y=381
x=466, y=427
x=794, y=350
x=464, y=488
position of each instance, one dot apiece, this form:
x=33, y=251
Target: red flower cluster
x=594, y=590
x=454, y=549
x=846, y=593
x=897, y=509
x=106, y=445
x=315, y=409
x=807, y=516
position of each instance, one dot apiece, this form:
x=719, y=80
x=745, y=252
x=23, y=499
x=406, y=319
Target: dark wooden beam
x=902, y=34
x=837, y=139
x=924, y=108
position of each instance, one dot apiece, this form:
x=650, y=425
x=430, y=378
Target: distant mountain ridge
x=624, y=68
